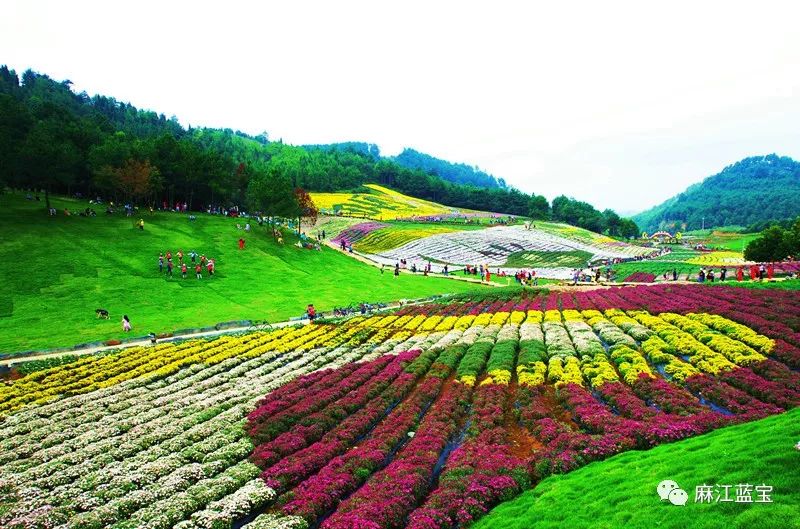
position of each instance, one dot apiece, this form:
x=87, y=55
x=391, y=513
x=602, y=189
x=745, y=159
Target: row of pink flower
x=350, y=414
x=291, y=470
x=290, y=394
x=357, y=232
x=387, y=498
x=640, y=277
x=345, y=473
x=264, y=429
x=480, y=473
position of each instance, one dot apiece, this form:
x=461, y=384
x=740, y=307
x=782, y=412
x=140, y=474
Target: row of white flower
x=493, y=246
x=167, y=452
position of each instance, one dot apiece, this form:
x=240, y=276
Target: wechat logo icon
x=669, y=490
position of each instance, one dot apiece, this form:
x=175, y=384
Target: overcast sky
x=621, y=104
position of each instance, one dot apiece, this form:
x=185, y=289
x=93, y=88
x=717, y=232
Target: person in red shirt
x=241, y=244
x=210, y=267
x=198, y=271
x=169, y=256
x=180, y=256
x=739, y=274
x=183, y=270
x=770, y=271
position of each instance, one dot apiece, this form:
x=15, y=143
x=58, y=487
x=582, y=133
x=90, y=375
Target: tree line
x=59, y=141
x=776, y=243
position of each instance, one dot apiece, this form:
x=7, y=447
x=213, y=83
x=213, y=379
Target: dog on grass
x=101, y=313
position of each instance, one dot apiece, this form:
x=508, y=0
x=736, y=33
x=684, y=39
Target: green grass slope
x=621, y=491
x=57, y=270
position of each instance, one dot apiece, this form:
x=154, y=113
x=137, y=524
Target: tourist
x=311, y=312
x=160, y=263
x=382, y=266
x=180, y=256
x=701, y=276
x=488, y=274
x=141, y=224
x=210, y=267
x=198, y=271
x=203, y=260
x=126, y=323
x=169, y=255
x=674, y=274
x=445, y=270
x=241, y=243
x=169, y=268
x=723, y=273
x=739, y=274
x=183, y=270
x=396, y=269
x=193, y=256
x=247, y=227
x=770, y=271
x=710, y=275
x=323, y=235
x=762, y=270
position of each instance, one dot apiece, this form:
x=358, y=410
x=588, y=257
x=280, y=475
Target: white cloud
x=621, y=104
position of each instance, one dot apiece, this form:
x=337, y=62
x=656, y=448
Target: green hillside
x=621, y=491
x=754, y=190
x=57, y=270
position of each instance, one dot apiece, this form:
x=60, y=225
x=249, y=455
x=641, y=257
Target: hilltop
x=751, y=191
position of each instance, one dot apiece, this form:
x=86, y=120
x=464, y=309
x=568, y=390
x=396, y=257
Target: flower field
x=494, y=247
x=422, y=418
x=381, y=204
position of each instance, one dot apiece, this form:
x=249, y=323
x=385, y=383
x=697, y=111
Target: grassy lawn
x=57, y=270
x=789, y=284
x=621, y=491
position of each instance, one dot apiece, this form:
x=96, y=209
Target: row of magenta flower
x=344, y=434
x=773, y=313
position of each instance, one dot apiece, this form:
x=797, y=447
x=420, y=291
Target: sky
x=621, y=104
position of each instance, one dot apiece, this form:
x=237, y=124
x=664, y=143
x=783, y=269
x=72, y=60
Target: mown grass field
x=621, y=491
x=58, y=270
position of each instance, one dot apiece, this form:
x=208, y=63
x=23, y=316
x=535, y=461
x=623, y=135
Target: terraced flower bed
x=422, y=418
x=494, y=246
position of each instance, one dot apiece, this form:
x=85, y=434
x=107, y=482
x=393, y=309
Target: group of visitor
x=526, y=278
x=756, y=271
x=195, y=261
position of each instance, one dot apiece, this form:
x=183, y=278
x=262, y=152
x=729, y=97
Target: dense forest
x=755, y=190
x=458, y=173
x=58, y=141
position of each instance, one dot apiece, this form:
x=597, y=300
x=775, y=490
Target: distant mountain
x=458, y=173
x=751, y=191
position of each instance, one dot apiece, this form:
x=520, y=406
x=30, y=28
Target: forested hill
x=458, y=173
x=59, y=141
x=751, y=191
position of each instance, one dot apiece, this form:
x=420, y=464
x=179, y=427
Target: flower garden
x=494, y=247
x=380, y=204
x=422, y=418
